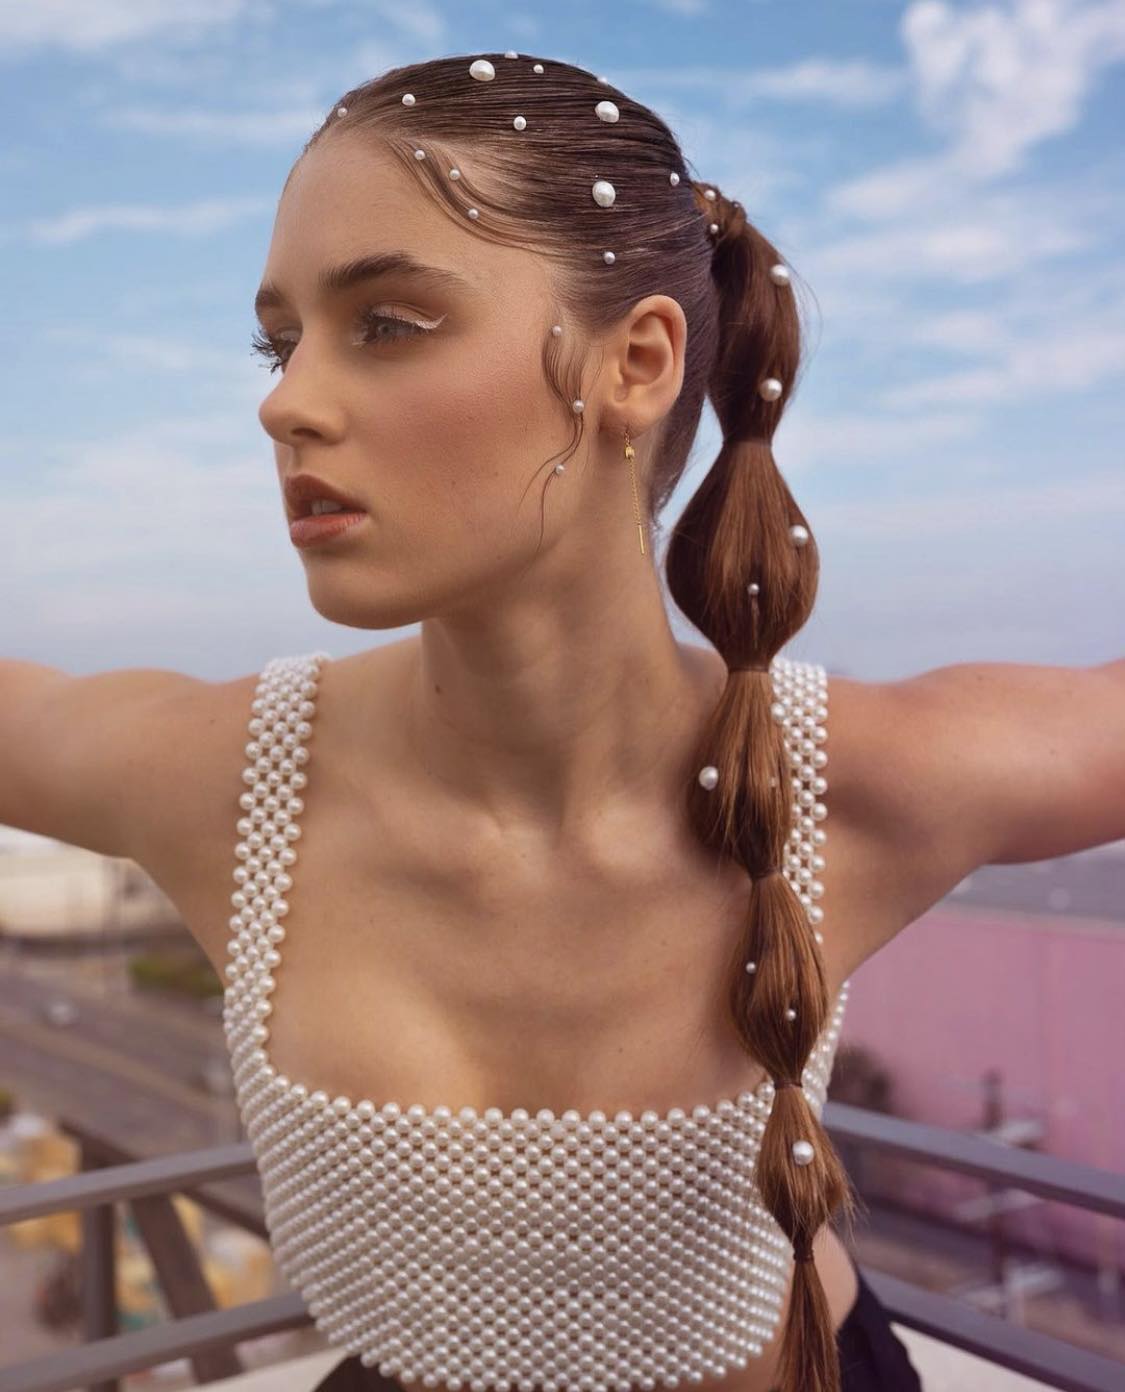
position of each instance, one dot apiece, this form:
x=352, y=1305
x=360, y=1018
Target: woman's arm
x=85, y=759
x=972, y=764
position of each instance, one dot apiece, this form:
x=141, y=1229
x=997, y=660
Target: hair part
x=532, y=189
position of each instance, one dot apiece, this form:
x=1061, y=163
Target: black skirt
x=872, y=1357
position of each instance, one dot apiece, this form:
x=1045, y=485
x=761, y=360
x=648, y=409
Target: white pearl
x=408, y=98
x=608, y=257
x=559, y=468
x=803, y=1152
x=790, y=1013
x=520, y=123
x=556, y=329
x=779, y=274
x=770, y=389
x=708, y=776
x=753, y=587
x=799, y=534
x=474, y=212
x=710, y=194
x=713, y=228
x=538, y=68
x=751, y=966
x=482, y=70
x=454, y=173
x=341, y=111
x=578, y=405
x=419, y=154
x=673, y=178
x=604, y=193
x=511, y=53
x=607, y=111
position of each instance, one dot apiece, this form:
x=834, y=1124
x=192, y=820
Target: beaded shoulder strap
x=280, y=726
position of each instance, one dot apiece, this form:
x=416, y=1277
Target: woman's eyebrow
x=334, y=280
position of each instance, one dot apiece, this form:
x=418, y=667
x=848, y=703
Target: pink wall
x=1042, y=999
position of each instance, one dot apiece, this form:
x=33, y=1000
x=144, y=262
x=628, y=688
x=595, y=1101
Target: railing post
x=98, y=1268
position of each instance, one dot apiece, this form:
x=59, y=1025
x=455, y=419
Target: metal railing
x=208, y=1335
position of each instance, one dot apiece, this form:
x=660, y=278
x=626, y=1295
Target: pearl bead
x=578, y=405
x=511, y=53
x=770, y=389
x=779, y=274
x=799, y=534
x=790, y=1013
x=474, y=213
x=608, y=257
x=673, y=178
x=387, y=1216
x=710, y=194
x=454, y=173
x=559, y=468
x=753, y=588
x=538, y=68
x=607, y=111
x=708, y=776
x=520, y=123
x=713, y=228
x=604, y=193
x=419, y=154
x=556, y=329
x=408, y=98
x=341, y=111
x=482, y=70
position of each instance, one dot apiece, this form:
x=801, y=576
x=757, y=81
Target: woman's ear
x=643, y=365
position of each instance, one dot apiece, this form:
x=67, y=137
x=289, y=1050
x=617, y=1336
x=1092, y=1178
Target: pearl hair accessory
x=604, y=193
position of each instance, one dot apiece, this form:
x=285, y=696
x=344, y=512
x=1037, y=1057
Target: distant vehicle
x=60, y=1011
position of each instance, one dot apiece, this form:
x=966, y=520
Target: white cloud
x=1000, y=79
x=851, y=84
x=287, y=125
x=419, y=21
x=199, y=219
x=92, y=26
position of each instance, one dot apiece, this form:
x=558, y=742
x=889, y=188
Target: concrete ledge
x=945, y=1368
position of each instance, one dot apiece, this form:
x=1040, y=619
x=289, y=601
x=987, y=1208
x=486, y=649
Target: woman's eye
x=278, y=351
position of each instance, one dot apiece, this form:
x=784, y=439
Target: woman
x=562, y=877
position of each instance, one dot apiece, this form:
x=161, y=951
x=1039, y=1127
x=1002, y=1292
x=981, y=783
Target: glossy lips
x=301, y=491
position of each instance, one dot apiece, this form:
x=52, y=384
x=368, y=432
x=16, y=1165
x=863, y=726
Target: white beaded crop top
x=521, y=1250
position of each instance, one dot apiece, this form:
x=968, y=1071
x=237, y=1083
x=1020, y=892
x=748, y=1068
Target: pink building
x=1035, y=995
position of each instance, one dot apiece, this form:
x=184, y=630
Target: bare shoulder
x=181, y=796
x=185, y=794
x=975, y=763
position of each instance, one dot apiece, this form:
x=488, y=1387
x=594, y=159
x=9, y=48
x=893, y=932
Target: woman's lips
x=324, y=526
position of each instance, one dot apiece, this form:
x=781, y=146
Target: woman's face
x=424, y=401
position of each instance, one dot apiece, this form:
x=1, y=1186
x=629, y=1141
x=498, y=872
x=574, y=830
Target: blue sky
x=947, y=178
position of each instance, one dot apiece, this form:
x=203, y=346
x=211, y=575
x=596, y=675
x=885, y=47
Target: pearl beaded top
x=570, y=1253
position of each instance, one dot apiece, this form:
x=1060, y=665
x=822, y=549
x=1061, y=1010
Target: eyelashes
x=277, y=351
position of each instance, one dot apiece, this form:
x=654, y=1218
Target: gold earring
x=630, y=455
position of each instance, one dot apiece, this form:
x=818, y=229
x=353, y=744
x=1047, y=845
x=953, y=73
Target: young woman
x=567, y=909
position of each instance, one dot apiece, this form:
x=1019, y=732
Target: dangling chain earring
x=630, y=455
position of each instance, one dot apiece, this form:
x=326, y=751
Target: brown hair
x=532, y=187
